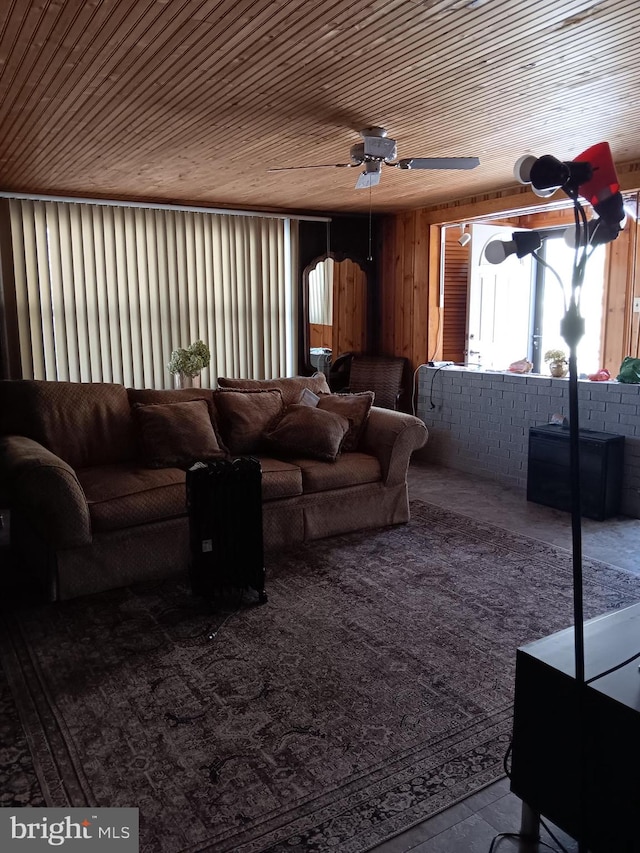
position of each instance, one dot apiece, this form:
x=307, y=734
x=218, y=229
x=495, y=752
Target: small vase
x=181, y=380
x=558, y=369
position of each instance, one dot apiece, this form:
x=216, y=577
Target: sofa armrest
x=46, y=491
x=392, y=437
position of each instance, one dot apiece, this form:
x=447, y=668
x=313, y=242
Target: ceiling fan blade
x=318, y=166
x=438, y=163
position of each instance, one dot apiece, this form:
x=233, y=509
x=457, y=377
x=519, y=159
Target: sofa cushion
x=122, y=496
x=351, y=469
x=305, y=430
x=175, y=435
x=127, y=495
x=84, y=423
x=355, y=407
x=279, y=479
x=290, y=387
x=244, y=417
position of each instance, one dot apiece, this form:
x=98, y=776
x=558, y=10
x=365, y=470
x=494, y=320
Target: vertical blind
x=105, y=293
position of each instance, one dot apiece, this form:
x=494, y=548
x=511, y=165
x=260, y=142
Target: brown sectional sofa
x=88, y=514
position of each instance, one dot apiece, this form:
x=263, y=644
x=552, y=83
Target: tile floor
x=470, y=826
x=615, y=541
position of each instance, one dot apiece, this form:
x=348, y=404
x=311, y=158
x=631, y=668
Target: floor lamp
x=591, y=176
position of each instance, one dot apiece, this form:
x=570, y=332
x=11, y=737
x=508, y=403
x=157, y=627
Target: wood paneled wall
x=409, y=286
x=349, y=308
x=621, y=331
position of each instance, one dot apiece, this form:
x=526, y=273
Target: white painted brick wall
x=479, y=422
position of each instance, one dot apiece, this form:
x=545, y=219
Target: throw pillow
x=290, y=387
x=175, y=435
x=245, y=416
x=355, y=407
x=307, y=431
x=147, y=396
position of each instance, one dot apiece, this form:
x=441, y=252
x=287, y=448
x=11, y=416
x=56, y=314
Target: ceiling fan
x=376, y=150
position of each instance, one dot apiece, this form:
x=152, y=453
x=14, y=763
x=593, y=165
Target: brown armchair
x=382, y=374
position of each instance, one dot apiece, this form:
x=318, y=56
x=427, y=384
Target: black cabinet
x=576, y=750
x=601, y=458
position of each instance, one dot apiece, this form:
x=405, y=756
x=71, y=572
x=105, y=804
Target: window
x=515, y=308
x=550, y=295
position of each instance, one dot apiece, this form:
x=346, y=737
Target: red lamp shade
x=604, y=181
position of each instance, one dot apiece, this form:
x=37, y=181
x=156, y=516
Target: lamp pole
x=572, y=330
x=592, y=176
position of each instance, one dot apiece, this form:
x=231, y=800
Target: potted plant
x=186, y=364
x=557, y=361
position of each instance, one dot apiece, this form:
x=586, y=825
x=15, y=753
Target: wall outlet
x=636, y=305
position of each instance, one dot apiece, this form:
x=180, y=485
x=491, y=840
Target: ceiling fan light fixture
x=371, y=175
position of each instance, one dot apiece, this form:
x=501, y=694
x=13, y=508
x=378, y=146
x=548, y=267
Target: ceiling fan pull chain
x=370, y=256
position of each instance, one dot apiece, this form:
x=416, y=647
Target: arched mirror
x=336, y=290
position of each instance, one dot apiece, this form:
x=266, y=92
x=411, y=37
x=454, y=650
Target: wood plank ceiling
x=194, y=100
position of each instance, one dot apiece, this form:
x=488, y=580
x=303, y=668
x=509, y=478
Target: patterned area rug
x=373, y=690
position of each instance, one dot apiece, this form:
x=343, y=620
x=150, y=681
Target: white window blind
x=105, y=293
